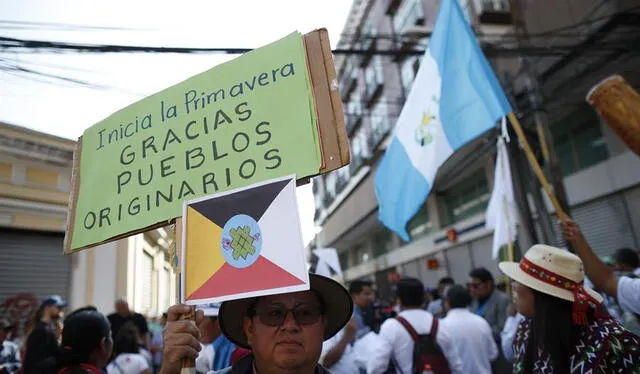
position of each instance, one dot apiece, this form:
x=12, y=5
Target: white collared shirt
x=473, y=337
x=395, y=341
x=629, y=294
x=347, y=363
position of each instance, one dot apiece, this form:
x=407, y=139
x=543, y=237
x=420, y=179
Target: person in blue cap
x=42, y=342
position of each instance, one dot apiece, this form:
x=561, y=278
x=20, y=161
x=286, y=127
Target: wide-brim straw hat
x=550, y=270
x=337, y=305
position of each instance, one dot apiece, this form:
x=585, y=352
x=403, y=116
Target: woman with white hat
x=564, y=330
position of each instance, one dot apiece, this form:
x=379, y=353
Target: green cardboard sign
x=247, y=120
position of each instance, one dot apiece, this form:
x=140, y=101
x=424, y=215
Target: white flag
x=502, y=213
x=330, y=257
x=322, y=268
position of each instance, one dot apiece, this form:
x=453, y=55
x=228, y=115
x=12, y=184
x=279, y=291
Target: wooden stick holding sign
x=188, y=365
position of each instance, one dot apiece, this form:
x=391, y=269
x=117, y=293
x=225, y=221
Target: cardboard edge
x=73, y=197
x=121, y=236
x=323, y=103
x=336, y=99
x=308, y=49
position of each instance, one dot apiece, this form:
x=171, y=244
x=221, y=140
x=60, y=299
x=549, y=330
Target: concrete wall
x=102, y=275
x=78, y=280
x=353, y=209
x=105, y=277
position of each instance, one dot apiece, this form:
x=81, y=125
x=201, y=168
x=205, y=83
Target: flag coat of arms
x=243, y=243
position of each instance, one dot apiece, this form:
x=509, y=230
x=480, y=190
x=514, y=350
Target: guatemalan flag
x=455, y=98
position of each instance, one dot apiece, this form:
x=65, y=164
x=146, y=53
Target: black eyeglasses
x=275, y=315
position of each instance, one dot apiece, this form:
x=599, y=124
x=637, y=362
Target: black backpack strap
x=408, y=327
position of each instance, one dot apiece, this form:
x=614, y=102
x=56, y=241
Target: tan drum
x=619, y=105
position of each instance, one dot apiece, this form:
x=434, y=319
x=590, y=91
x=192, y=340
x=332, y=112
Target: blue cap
x=54, y=300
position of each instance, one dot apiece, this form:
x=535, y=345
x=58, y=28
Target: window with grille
x=420, y=224
x=380, y=124
x=467, y=198
x=409, y=14
x=382, y=242
x=578, y=141
x=409, y=70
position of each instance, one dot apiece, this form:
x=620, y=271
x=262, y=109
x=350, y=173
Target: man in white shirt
x=627, y=261
x=436, y=307
x=394, y=339
x=625, y=289
x=472, y=335
x=338, y=354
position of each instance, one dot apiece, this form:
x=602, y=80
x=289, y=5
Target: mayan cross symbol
x=241, y=242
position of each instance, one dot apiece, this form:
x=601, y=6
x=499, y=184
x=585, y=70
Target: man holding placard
x=284, y=331
x=268, y=113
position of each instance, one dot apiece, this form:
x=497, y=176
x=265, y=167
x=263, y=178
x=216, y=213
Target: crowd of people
x=130, y=344
x=568, y=313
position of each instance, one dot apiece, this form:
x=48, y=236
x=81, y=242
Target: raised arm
x=598, y=272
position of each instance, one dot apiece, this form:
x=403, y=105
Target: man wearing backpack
x=406, y=343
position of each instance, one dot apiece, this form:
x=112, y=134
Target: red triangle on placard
x=228, y=280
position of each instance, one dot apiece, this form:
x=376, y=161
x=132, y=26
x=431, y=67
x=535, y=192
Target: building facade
x=35, y=176
x=448, y=235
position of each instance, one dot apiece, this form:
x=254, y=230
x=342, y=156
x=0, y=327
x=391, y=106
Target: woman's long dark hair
x=82, y=334
x=553, y=332
x=127, y=340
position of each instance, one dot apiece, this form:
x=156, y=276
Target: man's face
x=364, y=298
x=441, y=288
x=479, y=289
x=122, y=308
x=54, y=311
x=209, y=330
x=280, y=341
x=622, y=267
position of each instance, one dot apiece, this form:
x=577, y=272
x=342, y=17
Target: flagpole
x=536, y=167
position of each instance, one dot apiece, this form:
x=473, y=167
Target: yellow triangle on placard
x=203, y=257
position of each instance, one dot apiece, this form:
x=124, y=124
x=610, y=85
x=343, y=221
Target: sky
x=66, y=109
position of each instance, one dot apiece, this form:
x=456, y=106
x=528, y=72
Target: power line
x=15, y=69
x=29, y=25
x=491, y=50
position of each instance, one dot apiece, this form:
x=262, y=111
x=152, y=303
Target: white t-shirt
x=128, y=363
x=347, y=363
x=629, y=294
x=473, y=337
x=204, y=362
x=394, y=341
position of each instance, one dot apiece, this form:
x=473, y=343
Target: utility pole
x=541, y=121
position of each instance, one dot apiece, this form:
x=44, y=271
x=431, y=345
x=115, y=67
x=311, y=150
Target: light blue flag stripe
x=394, y=174
x=472, y=99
